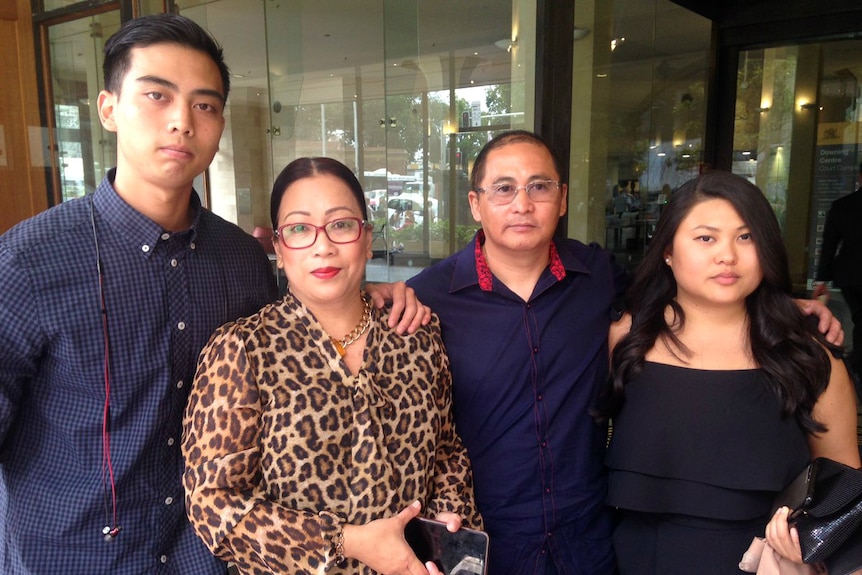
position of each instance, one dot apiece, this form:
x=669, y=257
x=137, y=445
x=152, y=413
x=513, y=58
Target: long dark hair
x=784, y=342
x=307, y=167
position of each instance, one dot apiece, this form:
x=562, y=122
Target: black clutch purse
x=826, y=506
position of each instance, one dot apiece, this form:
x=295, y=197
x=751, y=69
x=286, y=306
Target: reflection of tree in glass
x=689, y=112
x=780, y=75
x=506, y=102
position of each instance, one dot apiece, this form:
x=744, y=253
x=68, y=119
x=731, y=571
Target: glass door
x=82, y=150
x=797, y=135
x=405, y=93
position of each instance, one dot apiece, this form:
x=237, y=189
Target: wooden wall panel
x=8, y=10
x=23, y=191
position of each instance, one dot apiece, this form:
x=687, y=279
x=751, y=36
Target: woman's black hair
x=158, y=29
x=308, y=167
x=784, y=342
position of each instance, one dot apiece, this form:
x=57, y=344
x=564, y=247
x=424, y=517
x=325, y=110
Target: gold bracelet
x=338, y=549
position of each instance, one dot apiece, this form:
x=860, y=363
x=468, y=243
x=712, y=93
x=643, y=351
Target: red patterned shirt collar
x=484, y=272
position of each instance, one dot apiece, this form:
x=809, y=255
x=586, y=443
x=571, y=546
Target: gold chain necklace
x=355, y=333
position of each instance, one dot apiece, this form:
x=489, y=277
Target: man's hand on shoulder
x=408, y=313
x=820, y=291
x=827, y=323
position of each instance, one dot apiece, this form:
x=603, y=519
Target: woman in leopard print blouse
x=314, y=432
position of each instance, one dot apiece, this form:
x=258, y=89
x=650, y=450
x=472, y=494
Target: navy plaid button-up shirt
x=165, y=294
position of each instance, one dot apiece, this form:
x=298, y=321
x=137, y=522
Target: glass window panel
x=763, y=121
x=787, y=98
x=798, y=136
x=838, y=150
x=405, y=104
x=239, y=178
x=84, y=150
x=638, y=117
x=148, y=7
x=404, y=93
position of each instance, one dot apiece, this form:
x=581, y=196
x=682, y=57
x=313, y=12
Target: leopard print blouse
x=283, y=445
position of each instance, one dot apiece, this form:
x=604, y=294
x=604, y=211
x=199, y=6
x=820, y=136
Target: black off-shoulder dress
x=696, y=459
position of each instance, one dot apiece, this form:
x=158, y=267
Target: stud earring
x=667, y=261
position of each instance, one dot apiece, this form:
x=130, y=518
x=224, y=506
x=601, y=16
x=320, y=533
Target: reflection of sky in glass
x=70, y=151
x=73, y=170
x=68, y=117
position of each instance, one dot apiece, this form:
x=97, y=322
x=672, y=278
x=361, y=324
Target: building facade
x=636, y=96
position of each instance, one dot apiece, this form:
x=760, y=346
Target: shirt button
x=174, y=263
x=170, y=441
x=544, y=444
x=169, y=500
x=145, y=248
x=193, y=245
x=548, y=490
x=535, y=350
x=163, y=558
x=166, y=236
x=180, y=384
x=181, y=325
x=539, y=397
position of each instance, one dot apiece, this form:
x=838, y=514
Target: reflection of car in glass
x=407, y=209
x=404, y=212
x=375, y=197
x=378, y=179
x=415, y=188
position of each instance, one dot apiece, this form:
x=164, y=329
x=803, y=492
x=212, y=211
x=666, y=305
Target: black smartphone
x=464, y=552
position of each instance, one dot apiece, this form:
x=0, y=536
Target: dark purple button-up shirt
x=525, y=374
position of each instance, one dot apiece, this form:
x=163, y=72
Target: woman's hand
x=452, y=520
x=407, y=311
x=380, y=545
x=783, y=537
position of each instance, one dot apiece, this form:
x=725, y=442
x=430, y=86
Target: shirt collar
x=130, y=223
x=475, y=271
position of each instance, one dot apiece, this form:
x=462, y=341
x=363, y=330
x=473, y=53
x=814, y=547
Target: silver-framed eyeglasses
x=505, y=193
x=299, y=235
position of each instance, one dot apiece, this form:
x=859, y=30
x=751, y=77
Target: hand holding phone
x=463, y=552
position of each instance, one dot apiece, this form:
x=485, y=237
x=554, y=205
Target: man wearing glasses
x=525, y=320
